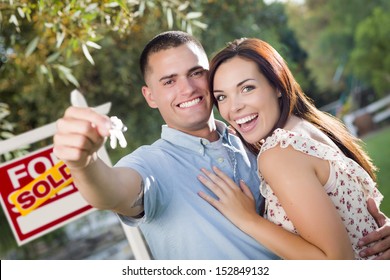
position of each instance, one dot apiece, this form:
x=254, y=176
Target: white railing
x=376, y=111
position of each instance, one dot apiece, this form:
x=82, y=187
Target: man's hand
x=381, y=235
x=80, y=133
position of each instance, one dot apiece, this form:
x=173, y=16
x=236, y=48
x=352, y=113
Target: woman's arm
x=322, y=233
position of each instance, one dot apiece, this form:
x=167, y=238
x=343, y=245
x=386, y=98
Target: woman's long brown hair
x=293, y=100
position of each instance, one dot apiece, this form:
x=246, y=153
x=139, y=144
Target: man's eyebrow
x=195, y=68
x=189, y=71
x=167, y=77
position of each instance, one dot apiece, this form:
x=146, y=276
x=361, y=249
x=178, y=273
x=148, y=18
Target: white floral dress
x=349, y=186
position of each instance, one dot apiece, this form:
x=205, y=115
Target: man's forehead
x=177, y=59
x=199, y=52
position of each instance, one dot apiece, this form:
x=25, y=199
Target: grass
x=378, y=147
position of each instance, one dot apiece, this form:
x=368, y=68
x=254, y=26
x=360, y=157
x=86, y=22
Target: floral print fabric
x=349, y=189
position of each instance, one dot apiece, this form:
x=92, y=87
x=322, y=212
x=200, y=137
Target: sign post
x=37, y=191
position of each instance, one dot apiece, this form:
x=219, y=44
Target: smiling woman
x=311, y=167
x=236, y=89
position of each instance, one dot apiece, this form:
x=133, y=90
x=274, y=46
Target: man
x=156, y=186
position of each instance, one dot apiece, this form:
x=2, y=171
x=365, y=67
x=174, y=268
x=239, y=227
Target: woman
x=312, y=170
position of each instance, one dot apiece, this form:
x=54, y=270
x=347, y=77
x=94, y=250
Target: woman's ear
x=148, y=95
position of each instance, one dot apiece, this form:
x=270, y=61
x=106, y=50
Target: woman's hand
x=380, y=235
x=235, y=202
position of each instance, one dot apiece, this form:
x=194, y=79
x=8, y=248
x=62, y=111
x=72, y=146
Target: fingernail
x=108, y=124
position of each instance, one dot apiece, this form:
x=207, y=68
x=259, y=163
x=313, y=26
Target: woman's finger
x=214, y=202
x=225, y=178
x=214, y=188
x=245, y=189
x=215, y=179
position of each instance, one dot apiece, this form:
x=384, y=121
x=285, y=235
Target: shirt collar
x=193, y=143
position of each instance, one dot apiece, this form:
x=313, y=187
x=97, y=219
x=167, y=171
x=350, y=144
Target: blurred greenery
x=377, y=147
x=337, y=50
x=331, y=31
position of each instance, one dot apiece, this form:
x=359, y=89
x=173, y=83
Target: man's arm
x=80, y=134
x=381, y=236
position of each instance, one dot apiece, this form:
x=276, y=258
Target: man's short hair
x=164, y=41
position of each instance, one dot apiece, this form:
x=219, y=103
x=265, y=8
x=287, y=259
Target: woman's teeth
x=246, y=119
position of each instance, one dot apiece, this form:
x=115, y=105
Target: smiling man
x=156, y=186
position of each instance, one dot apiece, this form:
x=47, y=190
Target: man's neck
x=210, y=132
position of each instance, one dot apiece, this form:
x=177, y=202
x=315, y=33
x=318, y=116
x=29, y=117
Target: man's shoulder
x=145, y=155
x=156, y=147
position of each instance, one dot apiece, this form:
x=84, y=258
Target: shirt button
x=220, y=160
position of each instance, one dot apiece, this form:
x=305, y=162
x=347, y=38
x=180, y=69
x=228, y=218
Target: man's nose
x=186, y=85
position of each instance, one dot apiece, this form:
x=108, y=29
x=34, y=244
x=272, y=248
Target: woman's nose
x=236, y=104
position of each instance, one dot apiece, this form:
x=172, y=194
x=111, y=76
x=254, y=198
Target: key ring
x=116, y=133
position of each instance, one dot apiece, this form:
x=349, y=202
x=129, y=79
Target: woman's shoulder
x=302, y=137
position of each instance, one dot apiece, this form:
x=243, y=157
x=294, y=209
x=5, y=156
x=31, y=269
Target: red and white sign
x=38, y=195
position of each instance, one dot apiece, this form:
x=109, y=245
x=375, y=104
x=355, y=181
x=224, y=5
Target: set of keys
x=116, y=133
x=117, y=127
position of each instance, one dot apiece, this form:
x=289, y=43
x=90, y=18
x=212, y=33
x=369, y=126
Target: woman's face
x=246, y=99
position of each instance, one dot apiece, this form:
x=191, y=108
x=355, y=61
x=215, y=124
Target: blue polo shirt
x=178, y=223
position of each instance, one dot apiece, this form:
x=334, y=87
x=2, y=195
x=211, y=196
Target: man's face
x=177, y=85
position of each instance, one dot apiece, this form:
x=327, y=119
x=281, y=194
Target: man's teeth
x=190, y=103
x=246, y=119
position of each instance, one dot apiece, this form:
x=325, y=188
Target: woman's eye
x=220, y=98
x=247, y=88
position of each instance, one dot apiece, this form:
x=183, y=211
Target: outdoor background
x=339, y=52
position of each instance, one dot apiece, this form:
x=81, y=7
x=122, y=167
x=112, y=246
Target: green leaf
x=43, y=69
x=91, y=7
x=14, y=20
x=183, y=6
x=93, y=45
x=169, y=18
x=111, y=5
x=53, y=57
x=199, y=24
x=68, y=74
x=87, y=54
x=193, y=15
x=21, y=12
x=60, y=36
x=6, y=135
x=32, y=46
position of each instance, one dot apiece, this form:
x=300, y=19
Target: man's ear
x=147, y=93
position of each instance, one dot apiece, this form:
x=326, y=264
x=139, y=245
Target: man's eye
x=168, y=82
x=198, y=73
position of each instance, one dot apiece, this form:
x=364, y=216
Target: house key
x=116, y=132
